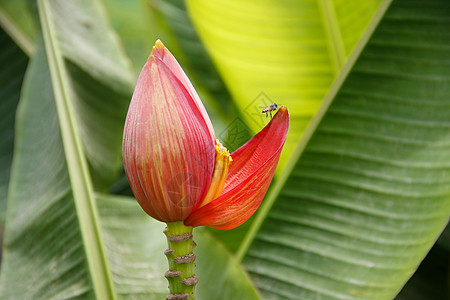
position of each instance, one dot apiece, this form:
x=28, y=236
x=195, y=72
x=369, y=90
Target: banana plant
x=361, y=192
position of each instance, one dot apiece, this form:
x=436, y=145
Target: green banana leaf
x=363, y=194
x=14, y=63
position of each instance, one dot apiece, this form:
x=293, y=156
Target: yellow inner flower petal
x=223, y=160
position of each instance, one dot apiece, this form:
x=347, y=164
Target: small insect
x=269, y=109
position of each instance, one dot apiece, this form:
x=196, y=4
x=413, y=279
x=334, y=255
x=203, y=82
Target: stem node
x=178, y=296
x=190, y=281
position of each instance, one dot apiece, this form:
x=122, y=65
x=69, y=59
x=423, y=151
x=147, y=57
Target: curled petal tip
x=283, y=110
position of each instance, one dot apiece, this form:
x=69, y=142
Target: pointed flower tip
x=158, y=50
x=282, y=115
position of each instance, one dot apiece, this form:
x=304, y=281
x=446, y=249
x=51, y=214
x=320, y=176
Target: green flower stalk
x=181, y=257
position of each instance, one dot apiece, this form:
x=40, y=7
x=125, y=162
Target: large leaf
x=369, y=194
x=14, y=63
x=286, y=52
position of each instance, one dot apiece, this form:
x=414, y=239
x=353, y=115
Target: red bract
x=177, y=170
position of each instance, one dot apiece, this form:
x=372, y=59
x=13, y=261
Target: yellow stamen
x=223, y=160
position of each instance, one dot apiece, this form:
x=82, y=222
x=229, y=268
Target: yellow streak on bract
x=175, y=142
x=169, y=138
x=223, y=160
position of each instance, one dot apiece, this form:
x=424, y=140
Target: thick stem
x=181, y=257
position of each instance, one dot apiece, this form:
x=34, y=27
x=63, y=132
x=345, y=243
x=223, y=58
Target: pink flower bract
x=176, y=168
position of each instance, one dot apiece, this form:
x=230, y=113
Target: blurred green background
x=361, y=193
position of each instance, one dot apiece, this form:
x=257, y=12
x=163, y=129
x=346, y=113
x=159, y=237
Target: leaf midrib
x=76, y=161
x=333, y=33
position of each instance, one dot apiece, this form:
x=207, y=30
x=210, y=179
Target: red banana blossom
x=177, y=169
